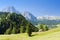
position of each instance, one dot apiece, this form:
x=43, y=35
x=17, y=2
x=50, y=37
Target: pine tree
x=29, y=30
x=45, y=28
x=40, y=26
x=8, y=31
x=14, y=30
x=21, y=29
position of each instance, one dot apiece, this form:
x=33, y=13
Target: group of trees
x=12, y=23
x=49, y=22
x=43, y=27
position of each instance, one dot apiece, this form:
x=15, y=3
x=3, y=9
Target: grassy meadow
x=53, y=34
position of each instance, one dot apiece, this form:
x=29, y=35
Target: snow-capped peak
x=10, y=9
x=29, y=16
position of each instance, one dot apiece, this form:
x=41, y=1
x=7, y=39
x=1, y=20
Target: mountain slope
x=10, y=23
x=31, y=18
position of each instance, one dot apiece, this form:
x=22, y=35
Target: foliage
x=11, y=23
x=8, y=31
x=43, y=27
x=13, y=30
x=21, y=29
x=29, y=30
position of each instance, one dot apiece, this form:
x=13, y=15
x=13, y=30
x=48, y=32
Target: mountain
x=49, y=20
x=31, y=18
x=10, y=9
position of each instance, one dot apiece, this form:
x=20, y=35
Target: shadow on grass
x=34, y=35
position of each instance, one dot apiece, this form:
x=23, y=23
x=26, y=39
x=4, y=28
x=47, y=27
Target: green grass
x=53, y=34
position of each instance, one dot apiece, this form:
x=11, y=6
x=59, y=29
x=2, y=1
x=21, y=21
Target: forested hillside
x=12, y=23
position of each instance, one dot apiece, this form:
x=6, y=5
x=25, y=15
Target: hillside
x=11, y=23
x=53, y=34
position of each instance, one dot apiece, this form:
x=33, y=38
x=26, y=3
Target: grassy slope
x=53, y=34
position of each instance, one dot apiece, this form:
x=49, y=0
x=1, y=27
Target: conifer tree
x=8, y=31
x=14, y=30
x=21, y=29
x=29, y=30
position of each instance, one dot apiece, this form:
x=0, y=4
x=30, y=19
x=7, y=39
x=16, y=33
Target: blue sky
x=36, y=7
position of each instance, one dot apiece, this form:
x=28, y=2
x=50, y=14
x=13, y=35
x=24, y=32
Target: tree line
x=12, y=23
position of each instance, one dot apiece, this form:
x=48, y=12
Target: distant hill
x=49, y=20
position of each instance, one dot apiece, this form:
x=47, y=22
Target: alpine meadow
x=29, y=20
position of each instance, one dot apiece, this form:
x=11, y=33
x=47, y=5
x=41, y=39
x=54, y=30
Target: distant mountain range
x=34, y=20
x=49, y=18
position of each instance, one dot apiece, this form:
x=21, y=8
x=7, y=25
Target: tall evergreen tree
x=8, y=31
x=29, y=30
x=21, y=29
x=13, y=30
x=46, y=28
x=40, y=26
